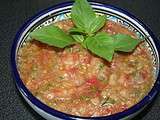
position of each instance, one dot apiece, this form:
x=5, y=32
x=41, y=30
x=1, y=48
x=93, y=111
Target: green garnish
x=86, y=32
x=102, y=45
x=53, y=36
x=85, y=18
x=125, y=43
x=78, y=38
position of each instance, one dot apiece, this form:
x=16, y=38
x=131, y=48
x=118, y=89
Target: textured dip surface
x=75, y=81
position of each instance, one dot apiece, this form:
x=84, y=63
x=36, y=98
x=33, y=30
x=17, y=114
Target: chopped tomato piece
x=92, y=80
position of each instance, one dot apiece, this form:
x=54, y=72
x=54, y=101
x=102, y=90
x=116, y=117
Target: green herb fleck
x=61, y=77
x=94, y=89
x=107, y=102
x=101, y=66
x=84, y=97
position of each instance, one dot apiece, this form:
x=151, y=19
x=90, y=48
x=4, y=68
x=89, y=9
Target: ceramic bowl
x=61, y=12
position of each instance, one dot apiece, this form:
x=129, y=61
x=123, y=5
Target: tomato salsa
x=74, y=81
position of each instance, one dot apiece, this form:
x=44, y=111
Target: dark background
x=13, y=13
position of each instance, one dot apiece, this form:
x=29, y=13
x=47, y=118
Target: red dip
x=74, y=81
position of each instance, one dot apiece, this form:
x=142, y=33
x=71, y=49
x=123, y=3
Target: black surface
x=13, y=13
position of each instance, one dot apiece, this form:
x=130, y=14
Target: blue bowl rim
x=146, y=100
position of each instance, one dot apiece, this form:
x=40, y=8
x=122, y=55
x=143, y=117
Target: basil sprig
x=87, y=33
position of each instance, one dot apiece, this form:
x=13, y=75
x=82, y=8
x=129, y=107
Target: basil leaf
x=102, y=45
x=76, y=30
x=53, y=36
x=96, y=24
x=125, y=43
x=82, y=14
x=78, y=38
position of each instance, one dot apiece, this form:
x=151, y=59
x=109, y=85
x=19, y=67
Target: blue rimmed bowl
x=61, y=12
